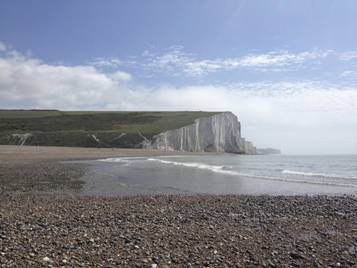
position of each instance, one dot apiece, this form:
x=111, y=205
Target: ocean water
x=224, y=174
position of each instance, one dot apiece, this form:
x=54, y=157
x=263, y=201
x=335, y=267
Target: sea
x=223, y=174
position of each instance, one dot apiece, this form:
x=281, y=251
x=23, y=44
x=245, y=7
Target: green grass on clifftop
x=74, y=128
x=128, y=122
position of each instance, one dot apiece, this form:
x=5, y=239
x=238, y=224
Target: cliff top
x=22, y=121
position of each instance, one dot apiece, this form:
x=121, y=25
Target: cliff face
x=218, y=133
x=183, y=131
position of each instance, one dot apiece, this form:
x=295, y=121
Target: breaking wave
x=226, y=170
x=120, y=159
x=213, y=168
x=126, y=161
x=297, y=176
x=311, y=174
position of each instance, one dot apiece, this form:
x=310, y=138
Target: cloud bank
x=297, y=117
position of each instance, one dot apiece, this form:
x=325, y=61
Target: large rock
x=248, y=147
x=218, y=133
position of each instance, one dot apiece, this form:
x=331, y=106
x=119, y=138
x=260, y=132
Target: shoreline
x=45, y=222
x=35, y=153
x=69, y=171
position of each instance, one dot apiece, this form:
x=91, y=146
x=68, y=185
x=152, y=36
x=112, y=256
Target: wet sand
x=13, y=152
x=45, y=222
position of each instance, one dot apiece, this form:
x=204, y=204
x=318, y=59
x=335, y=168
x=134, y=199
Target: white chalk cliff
x=218, y=133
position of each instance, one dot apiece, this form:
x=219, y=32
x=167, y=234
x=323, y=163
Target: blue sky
x=75, y=30
x=288, y=69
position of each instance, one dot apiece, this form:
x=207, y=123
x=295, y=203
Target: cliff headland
x=176, y=131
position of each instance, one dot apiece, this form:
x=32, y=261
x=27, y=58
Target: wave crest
x=227, y=170
x=312, y=174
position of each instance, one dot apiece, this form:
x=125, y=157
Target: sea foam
x=226, y=170
x=312, y=174
x=301, y=177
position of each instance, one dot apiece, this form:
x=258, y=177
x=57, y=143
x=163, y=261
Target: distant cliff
x=268, y=151
x=217, y=133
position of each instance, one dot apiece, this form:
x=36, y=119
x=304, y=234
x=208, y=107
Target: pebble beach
x=44, y=223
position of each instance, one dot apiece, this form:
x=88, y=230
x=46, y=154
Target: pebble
x=46, y=259
x=108, y=235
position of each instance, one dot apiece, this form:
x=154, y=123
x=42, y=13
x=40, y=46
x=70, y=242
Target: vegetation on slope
x=85, y=128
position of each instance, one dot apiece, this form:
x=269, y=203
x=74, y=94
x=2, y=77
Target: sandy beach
x=44, y=223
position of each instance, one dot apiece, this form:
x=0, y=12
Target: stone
x=46, y=259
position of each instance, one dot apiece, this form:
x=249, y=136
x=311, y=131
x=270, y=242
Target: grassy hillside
x=59, y=128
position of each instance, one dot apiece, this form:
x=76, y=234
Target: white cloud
x=349, y=74
x=279, y=58
x=2, y=47
x=298, y=117
x=348, y=56
x=177, y=61
x=120, y=76
x=106, y=63
x=26, y=82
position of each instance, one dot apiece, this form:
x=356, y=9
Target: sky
x=287, y=69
